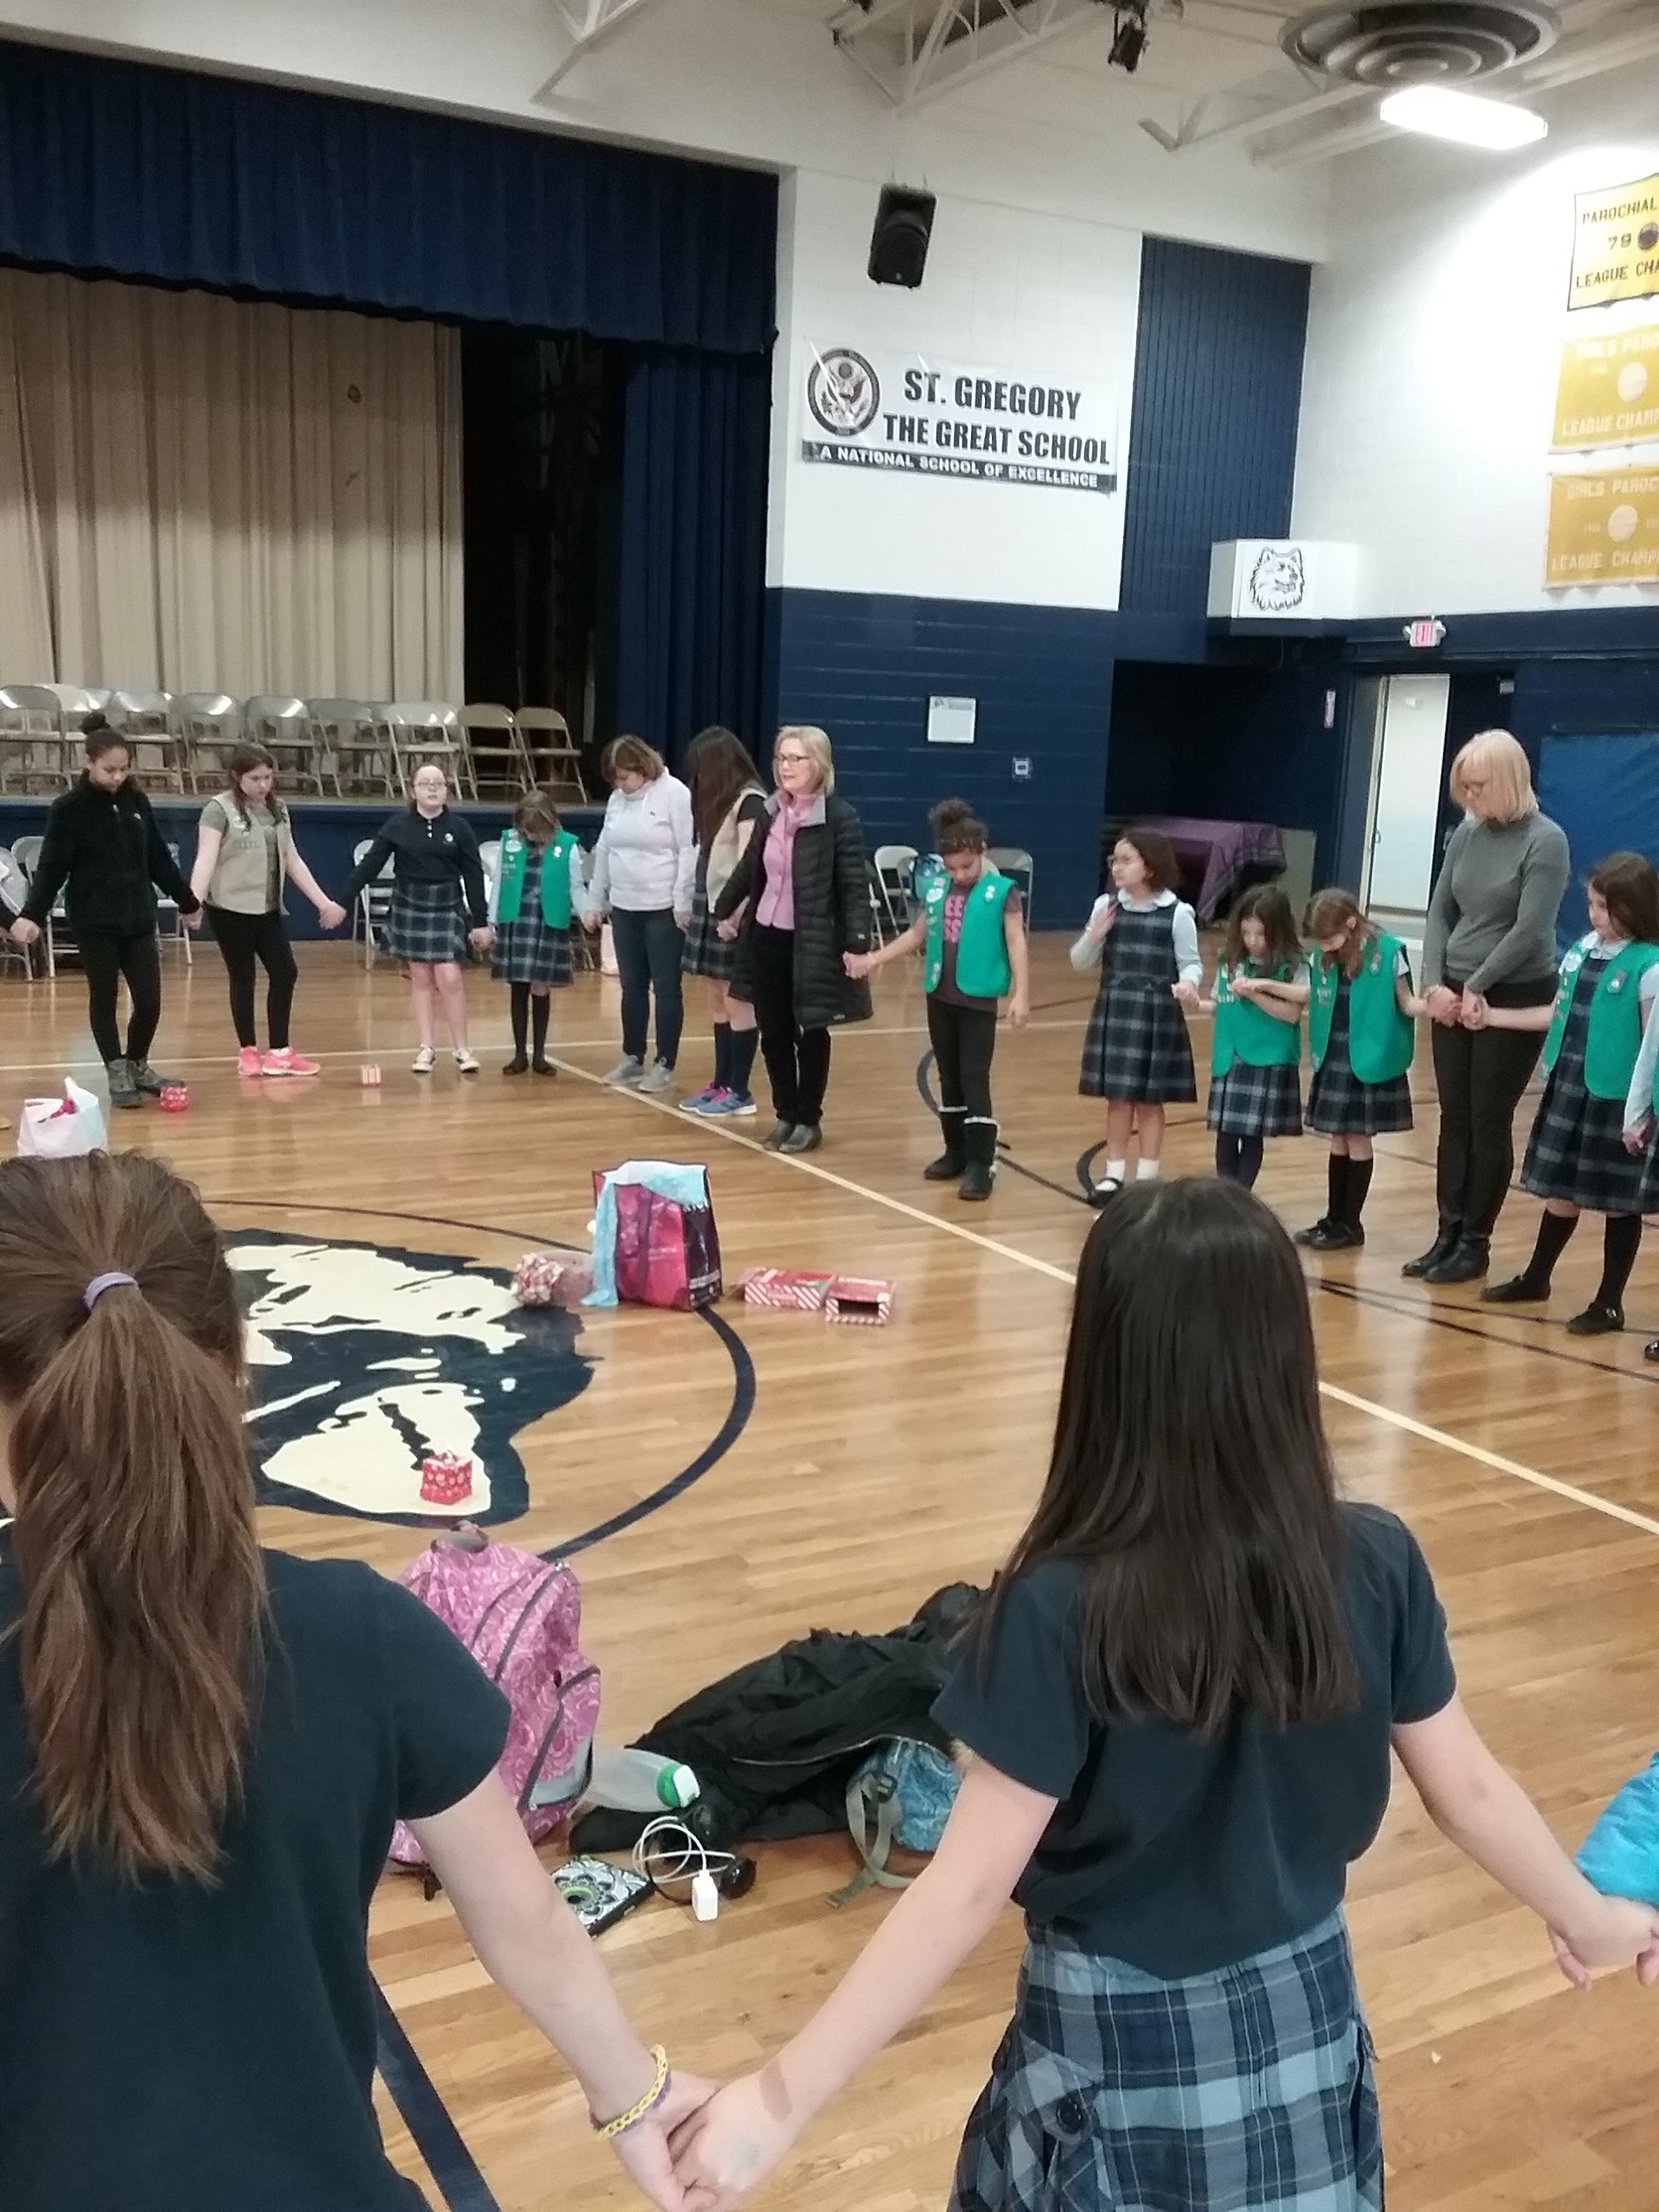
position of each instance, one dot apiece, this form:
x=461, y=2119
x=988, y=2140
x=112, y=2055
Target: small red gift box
x=536, y=1279
x=445, y=1479
x=863, y=1298
x=786, y=1287
x=174, y=1098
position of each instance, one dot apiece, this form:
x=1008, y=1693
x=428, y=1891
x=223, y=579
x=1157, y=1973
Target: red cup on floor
x=174, y=1097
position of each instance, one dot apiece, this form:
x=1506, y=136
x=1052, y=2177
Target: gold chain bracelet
x=608, y=2130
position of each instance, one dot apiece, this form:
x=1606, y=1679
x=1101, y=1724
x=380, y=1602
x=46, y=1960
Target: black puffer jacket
x=832, y=912
x=107, y=848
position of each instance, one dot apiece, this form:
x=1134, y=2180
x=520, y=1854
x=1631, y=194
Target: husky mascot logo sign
x=1279, y=581
x=364, y=1362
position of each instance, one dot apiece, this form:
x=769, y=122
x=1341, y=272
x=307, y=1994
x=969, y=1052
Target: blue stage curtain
x=693, y=546
x=118, y=168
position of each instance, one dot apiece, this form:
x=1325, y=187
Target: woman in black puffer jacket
x=804, y=890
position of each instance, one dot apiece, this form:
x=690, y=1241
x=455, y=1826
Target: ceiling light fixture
x=1128, y=36
x=1435, y=113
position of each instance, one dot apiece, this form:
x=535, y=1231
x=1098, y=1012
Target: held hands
x=857, y=964
x=1472, y=1011
x=1185, y=994
x=734, y=2142
x=645, y=2156
x=1615, y=1931
x=1443, y=1005
x=1639, y=1135
x=193, y=921
x=681, y=919
x=726, y=930
x=24, y=932
x=479, y=938
x=331, y=914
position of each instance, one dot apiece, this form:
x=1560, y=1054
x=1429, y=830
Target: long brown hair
x=1333, y=912
x=536, y=817
x=1629, y=890
x=241, y=760
x=1191, y=1481
x=1268, y=905
x=143, y=1592
x=719, y=770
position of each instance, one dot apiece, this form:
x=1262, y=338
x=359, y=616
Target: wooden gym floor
x=874, y=1466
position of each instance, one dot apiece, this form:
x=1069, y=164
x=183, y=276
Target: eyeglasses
x=792, y=760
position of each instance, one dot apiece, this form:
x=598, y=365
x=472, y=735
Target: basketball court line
x=1404, y=1423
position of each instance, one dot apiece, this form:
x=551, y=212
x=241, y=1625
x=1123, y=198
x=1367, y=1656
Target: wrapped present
x=445, y=1479
x=369, y=1076
x=537, y=1279
x=790, y=1287
x=174, y=1098
x=863, y=1298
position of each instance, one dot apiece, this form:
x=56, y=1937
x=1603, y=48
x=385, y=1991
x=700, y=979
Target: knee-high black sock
x=520, y=1006
x=1336, y=1187
x=1620, y=1237
x=722, y=1055
x=1226, y=1156
x=1249, y=1160
x=540, y=1009
x=1353, y=1196
x=1554, y=1233
x=740, y=1059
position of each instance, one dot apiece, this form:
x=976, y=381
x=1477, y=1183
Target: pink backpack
x=520, y=1618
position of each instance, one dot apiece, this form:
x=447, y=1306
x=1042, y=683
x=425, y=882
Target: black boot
x=122, y=1091
x=979, y=1142
x=1444, y=1244
x=953, y=1160
x=1466, y=1261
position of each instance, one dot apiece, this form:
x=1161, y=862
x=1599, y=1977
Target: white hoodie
x=647, y=855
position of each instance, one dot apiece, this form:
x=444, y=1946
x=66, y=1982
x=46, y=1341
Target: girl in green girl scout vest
x=1255, y=1065
x=1362, y=1032
x=539, y=886
x=973, y=936
x=1577, y=1157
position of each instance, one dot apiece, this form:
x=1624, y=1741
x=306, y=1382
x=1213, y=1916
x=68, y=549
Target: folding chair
x=1013, y=861
x=33, y=747
x=14, y=889
x=285, y=727
x=144, y=719
x=426, y=729
x=554, y=759
x=170, y=920
x=496, y=752
x=373, y=901
x=351, y=747
x=26, y=852
x=205, y=726
x=895, y=867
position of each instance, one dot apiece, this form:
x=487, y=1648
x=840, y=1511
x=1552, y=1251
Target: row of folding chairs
x=17, y=867
x=894, y=903
x=343, y=748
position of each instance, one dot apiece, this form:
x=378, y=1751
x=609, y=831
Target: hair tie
x=96, y=1288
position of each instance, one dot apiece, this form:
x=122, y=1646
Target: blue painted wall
x=864, y=666
x=1217, y=390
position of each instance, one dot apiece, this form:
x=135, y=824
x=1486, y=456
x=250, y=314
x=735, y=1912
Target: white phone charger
x=705, y=1897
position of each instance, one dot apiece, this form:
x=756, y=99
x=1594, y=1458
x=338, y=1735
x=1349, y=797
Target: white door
x=1405, y=787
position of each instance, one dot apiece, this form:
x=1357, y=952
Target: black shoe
x=979, y=1177
x=947, y=1168
x=1099, y=1192
x=1333, y=1237
x=517, y=1065
x=1466, y=1261
x=777, y=1137
x=1651, y=1350
x=1442, y=1248
x=1313, y=1236
x=540, y=1064
x=803, y=1138
x=1519, y=1290
x=1597, y=1321
x=147, y=1080
x=122, y=1091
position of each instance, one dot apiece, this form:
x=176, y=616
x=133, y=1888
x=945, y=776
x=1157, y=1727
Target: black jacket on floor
x=831, y=886
x=106, y=847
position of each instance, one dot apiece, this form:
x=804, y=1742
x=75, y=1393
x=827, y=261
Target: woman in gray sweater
x=1490, y=941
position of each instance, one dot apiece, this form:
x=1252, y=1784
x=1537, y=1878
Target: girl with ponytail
x=203, y=1750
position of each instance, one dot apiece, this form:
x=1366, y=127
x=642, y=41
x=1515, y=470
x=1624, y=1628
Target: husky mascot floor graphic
x=365, y=1361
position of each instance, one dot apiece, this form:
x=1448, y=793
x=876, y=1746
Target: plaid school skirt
x=1339, y=1105
x=707, y=952
x=1255, y=1101
x=528, y=951
x=428, y=923
x=1576, y=1149
x=1136, y=1047
x=1248, y=2090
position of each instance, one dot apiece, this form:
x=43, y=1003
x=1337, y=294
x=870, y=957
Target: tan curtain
x=199, y=494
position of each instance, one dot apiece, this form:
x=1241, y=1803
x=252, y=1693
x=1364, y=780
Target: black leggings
x=243, y=939
x=963, y=1040
x=107, y=955
x=797, y=1059
x=1481, y=1075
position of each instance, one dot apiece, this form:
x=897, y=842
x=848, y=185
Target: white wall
x=1037, y=295
x=1434, y=342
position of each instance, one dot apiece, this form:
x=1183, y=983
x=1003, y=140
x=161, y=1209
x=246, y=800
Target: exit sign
x=1424, y=634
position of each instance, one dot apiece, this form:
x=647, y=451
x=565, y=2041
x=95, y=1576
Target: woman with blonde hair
x=1490, y=942
x=203, y=1749
x=803, y=886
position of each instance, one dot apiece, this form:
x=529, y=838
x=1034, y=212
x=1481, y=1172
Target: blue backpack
x=907, y=1790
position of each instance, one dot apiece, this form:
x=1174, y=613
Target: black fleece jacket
x=106, y=847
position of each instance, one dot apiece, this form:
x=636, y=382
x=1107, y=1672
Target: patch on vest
x=366, y=1361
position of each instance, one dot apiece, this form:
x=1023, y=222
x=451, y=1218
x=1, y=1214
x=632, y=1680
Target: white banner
x=916, y=417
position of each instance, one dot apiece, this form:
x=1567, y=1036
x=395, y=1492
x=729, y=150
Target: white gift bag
x=61, y=1129
x=607, y=951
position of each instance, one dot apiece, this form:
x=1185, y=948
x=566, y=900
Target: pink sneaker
x=249, y=1060
x=288, y=1062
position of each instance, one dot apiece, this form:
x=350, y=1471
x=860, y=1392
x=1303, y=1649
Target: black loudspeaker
x=899, y=243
